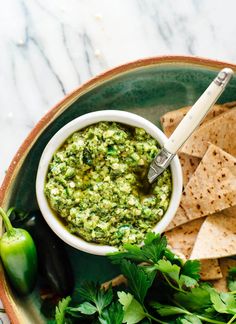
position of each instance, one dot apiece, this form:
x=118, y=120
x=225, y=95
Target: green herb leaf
x=187, y=281
x=194, y=303
x=173, y=258
x=139, y=280
x=113, y=314
x=94, y=294
x=189, y=319
x=231, y=279
x=73, y=312
x=84, y=308
x=191, y=268
x=152, y=250
x=195, y=300
x=133, y=310
x=172, y=270
x=223, y=302
x=154, y=247
x=61, y=310
x=167, y=310
x=229, y=301
x=132, y=253
x=218, y=304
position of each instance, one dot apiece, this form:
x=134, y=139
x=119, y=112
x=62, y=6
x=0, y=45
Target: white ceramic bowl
x=80, y=123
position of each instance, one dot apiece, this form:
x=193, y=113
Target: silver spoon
x=189, y=124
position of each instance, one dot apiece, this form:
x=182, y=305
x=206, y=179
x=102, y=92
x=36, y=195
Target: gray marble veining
x=48, y=48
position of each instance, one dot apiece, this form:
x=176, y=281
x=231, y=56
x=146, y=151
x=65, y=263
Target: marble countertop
x=48, y=48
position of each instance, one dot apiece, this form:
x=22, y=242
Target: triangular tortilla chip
x=225, y=265
x=172, y=119
x=230, y=104
x=189, y=164
x=179, y=218
x=182, y=238
x=212, y=187
x=181, y=241
x=216, y=238
x=210, y=270
x=220, y=131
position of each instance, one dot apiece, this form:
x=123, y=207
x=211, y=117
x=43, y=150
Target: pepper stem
x=6, y=220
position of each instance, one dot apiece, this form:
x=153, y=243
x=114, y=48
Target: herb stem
x=209, y=320
x=170, y=284
x=232, y=319
x=155, y=319
x=232, y=292
x=182, y=307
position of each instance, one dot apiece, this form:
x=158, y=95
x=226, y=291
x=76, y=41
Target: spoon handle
x=198, y=111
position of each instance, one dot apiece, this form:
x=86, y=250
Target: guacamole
x=95, y=184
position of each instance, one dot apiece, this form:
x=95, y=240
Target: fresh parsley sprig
x=61, y=310
x=162, y=288
x=154, y=252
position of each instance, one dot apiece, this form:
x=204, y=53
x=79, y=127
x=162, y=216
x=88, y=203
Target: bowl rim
x=21, y=153
x=81, y=123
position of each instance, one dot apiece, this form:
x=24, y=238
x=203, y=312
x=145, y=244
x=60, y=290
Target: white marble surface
x=48, y=48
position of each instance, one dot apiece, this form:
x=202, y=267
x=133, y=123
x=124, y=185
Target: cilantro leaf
x=231, y=279
x=167, y=310
x=113, y=314
x=94, y=294
x=154, y=247
x=189, y=319
x=218, y=304
x=194, y=303
x=173, y=258
x=191, y=268
x=184, y=277
x=133, y=310
x=194, y=300
x=84, y=308
x=230, y=302
x=150, y=237
x=187, y=281
x=152, y=251
x=223, y=302
x=172, y=270
x=139, y=281
x=132, y=253
x=61, y=310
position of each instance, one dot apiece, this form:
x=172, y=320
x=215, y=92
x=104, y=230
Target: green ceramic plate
x=149, y=88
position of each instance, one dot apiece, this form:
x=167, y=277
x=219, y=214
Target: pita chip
x=189, y=164
x=216, y=238
x=225, y=265
x=181, y=241
x=230, y=104
x=220, y=131
x=179, y=218
x=211, y=188
x=172, y=119
x=210, y=270
x=182, y=238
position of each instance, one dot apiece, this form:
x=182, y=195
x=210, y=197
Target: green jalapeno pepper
x=54, y=264
x=19, y=257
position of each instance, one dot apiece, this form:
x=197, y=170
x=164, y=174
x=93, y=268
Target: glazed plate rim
x=53, y=113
